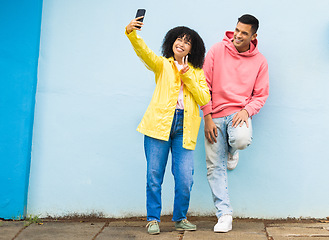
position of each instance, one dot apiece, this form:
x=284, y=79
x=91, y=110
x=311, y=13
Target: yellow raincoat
x=159, y=115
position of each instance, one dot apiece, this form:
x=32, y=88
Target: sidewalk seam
x=267, y=234
x=100, y=231
x=19, y=232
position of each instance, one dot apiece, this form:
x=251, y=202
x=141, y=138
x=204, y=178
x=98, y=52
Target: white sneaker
x=232, y=160
x=224, y=224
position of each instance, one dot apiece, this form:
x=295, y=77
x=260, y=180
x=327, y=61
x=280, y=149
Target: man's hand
x=240, y=117
x=210, y=129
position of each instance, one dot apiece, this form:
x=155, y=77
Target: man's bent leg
x=216, y=159
x=240, y=137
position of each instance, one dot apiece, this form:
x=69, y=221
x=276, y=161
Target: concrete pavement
x=134, y=228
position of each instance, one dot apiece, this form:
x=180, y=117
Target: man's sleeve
x=260, y=91
x=208, y=67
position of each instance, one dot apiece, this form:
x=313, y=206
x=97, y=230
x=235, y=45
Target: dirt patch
x=167, y=218
x=99, y=217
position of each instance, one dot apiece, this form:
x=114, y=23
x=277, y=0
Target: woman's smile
x=181, y=47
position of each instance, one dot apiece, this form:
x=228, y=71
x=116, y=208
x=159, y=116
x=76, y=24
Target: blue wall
x=20, y=23
x=93, y=91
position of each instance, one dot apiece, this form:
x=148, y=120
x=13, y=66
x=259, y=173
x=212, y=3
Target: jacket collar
x=172, y=61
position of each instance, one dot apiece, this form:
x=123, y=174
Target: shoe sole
x=155, y=233
x=222, y=231
x=232, y=168
x=182, y=229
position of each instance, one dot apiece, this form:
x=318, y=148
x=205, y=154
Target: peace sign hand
x=185, y=65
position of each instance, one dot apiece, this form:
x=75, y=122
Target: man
x=237, y=77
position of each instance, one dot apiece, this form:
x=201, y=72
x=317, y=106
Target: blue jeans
x=156, y=152
x=229, y=139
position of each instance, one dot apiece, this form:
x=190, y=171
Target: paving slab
x=61, y=231
x=303, y=238
x=300, y=224
x=9, y=229
x=241, y=231
x=137, y=230
x=298, y=231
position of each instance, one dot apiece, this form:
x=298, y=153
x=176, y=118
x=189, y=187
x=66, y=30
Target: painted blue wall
x=20, y=23
x=93, y=91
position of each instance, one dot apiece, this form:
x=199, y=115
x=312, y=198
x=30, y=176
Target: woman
x=171, y=121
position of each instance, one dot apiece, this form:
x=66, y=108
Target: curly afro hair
x=196, y=57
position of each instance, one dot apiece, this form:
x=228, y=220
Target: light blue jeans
x=229, y=139
x=156, y=152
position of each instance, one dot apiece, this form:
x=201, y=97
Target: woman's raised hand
x=134, y=25
x=185, y=65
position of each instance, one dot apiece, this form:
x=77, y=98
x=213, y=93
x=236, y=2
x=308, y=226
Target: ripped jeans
x=229, y=139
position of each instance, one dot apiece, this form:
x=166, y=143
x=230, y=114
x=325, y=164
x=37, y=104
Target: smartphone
x=140, y=12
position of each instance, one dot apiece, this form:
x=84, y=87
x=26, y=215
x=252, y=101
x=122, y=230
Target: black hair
x=196, y=57
x=251, y=20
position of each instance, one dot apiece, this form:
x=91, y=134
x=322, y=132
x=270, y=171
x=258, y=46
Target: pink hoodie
x=236, y=80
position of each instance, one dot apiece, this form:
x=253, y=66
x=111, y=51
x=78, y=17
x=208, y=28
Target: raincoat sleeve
x=195, y=82
x=146, y=55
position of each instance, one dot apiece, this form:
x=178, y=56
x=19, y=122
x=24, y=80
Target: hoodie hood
x=227, y=40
